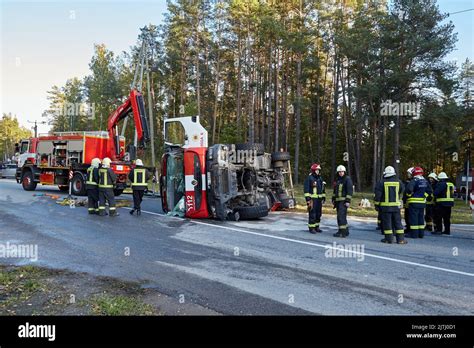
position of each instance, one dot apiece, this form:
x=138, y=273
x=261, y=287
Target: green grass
x=20, y=284
x=119, y=305
x=461, y=213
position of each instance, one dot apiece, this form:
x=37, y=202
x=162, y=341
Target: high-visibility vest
x=90, y=176
x=448, y=198
x=104, y=178
x=394, y=187
x=139, y=177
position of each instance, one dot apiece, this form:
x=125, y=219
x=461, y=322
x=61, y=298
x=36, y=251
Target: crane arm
x=134, y=104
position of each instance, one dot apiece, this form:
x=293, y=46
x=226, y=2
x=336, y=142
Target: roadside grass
x=20, y=284
x=119, y=305
x=461, y=213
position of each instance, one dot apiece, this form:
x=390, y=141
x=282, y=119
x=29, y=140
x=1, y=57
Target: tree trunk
x=298, y=118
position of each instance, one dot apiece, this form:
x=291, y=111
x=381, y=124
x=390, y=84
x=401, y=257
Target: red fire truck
x=61, y=158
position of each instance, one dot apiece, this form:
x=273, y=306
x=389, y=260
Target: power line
x=470, y=9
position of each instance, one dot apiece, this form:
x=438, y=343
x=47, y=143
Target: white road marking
x=313, y=244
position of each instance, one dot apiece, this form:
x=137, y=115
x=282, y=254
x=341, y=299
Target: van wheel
x=28, y=181
x=252, y=212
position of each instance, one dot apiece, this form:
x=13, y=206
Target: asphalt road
x=269, y=266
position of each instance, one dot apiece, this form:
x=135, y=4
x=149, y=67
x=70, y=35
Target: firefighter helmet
x=340, y=168
x=410, y=171
x=315, y=167
x=389, y=171
x=95, y=162
x=139, y=162
x=433, y=176
x=442, y=175
x=106, y=162
x=417, y=171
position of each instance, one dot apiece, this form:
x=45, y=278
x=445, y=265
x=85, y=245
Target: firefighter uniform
x=107, y=179
x=387, y=200
x=315, y=195
x=417, y=191
x=429, y=212
x=405, y=201
x=342, y=194
x=138, y=177
x=444, y=201
x=92, y=190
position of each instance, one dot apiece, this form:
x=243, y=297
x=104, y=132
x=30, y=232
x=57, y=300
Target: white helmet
x=340, y=168
x=442, y=175
x=106, y=162
x=433, y=176
x=95, y=162
x=389, y=171
x=139, y=162
x=410, y=171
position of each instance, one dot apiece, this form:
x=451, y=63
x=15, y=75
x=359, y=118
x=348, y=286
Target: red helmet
x=417, y=171
x=315, y=167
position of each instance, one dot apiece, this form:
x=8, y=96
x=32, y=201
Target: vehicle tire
x=258, y=147
x=118, y=192
x=252, y=212
x=78, y=186
x=28, y=182
x=280, y=156
x=63, y=188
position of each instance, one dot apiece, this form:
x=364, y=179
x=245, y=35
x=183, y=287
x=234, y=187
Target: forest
x=310, y=77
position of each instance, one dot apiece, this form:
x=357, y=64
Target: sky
x=43, y=43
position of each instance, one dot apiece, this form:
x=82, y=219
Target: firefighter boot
x=318, y=230
x=346, y=232
x=388, y=238
x=401, y=239
x=114, y=212
x=312, y=230
x=139, y=212
x=421, y=233
x=339, y=233
x=132, y=211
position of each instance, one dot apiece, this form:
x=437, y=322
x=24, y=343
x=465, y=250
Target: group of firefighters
x=424, y=200
x=100, y=185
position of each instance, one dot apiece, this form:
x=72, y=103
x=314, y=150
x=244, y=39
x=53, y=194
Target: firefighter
x=417, y=190
x=341, y=200
x=138, y=177
x=405, y=201
x=315, y=195
x=444, y=201
x=92, y=186
x=107, y=179
x=387, y=197
x=429, y=213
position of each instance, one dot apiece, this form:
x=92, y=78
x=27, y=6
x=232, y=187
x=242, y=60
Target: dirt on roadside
x=31, y=290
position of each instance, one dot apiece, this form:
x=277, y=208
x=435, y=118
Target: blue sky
x=43, y=43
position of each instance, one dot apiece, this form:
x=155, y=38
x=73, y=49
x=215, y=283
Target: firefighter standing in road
x=405, y=200
x=429, y=213
x=341, y=200
x=107, y=179
x=417, y=190
x=387, y=199
x=444, y=201
x=315, y=195
x=92, y=186
x=138, y=177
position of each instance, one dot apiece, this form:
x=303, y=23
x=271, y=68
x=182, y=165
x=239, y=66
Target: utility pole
x=35, y=127
x=468, y=169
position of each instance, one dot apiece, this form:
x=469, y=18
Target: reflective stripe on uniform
x=387, y=185
x=135, y=177
x=103, y=178
x=448, y=197
x=90, y=177
x=399, y=231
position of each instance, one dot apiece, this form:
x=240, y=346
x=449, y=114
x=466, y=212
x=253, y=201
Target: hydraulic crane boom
x=134, y=104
